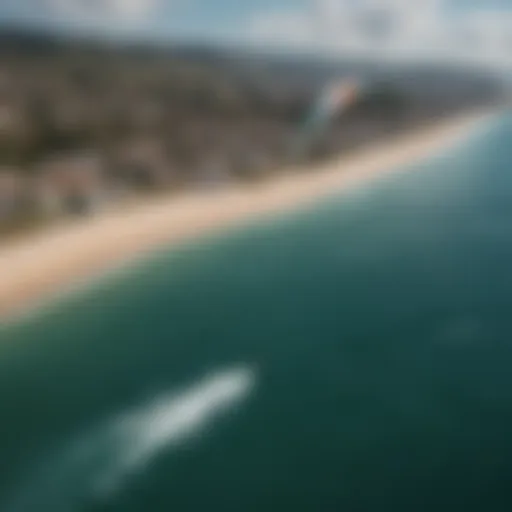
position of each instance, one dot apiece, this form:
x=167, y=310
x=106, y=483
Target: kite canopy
x=333, y=99
x=339, y=96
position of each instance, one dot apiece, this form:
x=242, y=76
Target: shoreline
x=35, y=268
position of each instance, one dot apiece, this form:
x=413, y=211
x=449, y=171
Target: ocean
x=353, y=356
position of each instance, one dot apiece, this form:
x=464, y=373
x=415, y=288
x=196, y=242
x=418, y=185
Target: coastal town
x=254, y=255
x=86, y=127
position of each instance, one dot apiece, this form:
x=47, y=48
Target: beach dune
x=38, y=266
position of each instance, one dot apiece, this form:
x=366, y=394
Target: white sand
x=38, y=266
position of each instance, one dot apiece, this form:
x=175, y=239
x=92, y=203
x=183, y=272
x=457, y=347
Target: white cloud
x=94, y=10
x=391, y=29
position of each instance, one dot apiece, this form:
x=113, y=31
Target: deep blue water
x=355, y=356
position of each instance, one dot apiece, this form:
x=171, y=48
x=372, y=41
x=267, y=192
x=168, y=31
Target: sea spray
x=96, y=465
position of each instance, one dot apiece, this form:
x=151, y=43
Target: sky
x=468, y=31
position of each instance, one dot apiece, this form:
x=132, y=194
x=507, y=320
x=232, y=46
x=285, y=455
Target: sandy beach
x=39, y=266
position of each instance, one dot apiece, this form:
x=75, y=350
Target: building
x=71, y=183
x=143, y=163
x=11, y=193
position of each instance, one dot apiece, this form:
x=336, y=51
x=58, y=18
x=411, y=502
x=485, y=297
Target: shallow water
x=354, y=356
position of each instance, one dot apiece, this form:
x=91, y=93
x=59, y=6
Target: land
x=88, y=125
x=40, y=266
x=110, y=149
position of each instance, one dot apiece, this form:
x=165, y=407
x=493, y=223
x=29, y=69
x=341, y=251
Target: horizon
x=467, y=32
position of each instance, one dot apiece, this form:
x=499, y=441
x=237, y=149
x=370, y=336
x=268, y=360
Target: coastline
x=37, y=267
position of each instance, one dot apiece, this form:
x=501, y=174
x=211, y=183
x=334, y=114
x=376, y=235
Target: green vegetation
x=151, y=119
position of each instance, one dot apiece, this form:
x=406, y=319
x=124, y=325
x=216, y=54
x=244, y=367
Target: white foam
x=99, y=463
x=172, y=419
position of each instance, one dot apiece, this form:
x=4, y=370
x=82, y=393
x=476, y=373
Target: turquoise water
x=355, y=356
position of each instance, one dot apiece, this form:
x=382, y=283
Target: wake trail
x=99, y=464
